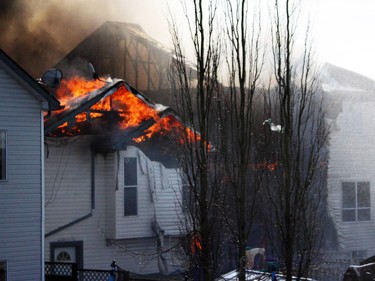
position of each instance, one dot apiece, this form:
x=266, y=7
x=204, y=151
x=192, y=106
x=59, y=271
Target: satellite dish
x=52, y=78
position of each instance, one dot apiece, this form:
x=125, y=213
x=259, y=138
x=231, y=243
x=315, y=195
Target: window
x=69, y=251
x=130, y=186
x=3, y=270
x=3, y=142
x=356, y=201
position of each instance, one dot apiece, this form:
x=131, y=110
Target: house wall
x=68, y=176
x=169, y=200
x=158, y=189
x=21, y=193
x=68, y=181
x=352, y=155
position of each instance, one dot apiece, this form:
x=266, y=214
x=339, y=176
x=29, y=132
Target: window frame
x=354, y=202
x=131, y=186
x=3, y=156
x=77, y=245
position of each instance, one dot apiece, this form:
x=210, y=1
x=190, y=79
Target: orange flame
x=130, y=109
x=167, y=125
x=76, y=87
x=196, y=243
x=267, y=166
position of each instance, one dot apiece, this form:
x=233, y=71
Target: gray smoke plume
x=38, y=33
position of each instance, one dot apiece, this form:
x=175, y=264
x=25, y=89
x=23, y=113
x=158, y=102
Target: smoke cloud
x=38, y=33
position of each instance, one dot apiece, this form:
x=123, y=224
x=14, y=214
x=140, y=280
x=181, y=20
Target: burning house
x=113, y=186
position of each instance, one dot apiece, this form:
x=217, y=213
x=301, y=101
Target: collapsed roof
x=116, y=114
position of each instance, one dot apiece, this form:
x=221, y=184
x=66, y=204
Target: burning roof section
x=114, y=111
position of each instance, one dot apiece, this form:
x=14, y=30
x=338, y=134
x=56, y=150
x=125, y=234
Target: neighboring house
x=22, y=104
x=107, y=196
x=350, y=100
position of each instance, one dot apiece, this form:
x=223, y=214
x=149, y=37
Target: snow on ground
x=255, y=275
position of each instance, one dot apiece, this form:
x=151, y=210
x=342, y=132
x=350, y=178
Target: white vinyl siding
x=68, y=181
x=108, y=234
x=351, y=160
x=21, y=192
x=158, y=197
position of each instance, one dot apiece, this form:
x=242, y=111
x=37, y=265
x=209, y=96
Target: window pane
x=2, y=155
x=364, y=215
x=130, y=171
x=3, y=270
x=348, y=215
x=348, y=195
x=363, y=194
x=130, y=201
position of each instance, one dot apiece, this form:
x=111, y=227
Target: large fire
x=129, y=109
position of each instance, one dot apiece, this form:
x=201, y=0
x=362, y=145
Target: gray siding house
x=22, y=104
x=350, y=100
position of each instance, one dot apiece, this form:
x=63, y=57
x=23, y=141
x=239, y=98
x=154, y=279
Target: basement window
x=3, y=142
x=130, y=186
x=356, y=203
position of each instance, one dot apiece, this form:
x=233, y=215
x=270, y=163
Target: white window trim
x=131, y=187
x=356, y=208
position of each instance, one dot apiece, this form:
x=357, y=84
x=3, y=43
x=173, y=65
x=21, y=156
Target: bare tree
x=196, y=89
x=245, y=62
x=296, y=145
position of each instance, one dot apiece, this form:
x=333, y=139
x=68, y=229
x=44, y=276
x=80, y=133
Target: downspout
x=42, y=199
x=92, y=180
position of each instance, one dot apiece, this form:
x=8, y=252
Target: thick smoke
x=38, y=33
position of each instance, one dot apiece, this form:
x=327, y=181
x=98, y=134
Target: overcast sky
x=345, y=34
x=344, y=30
